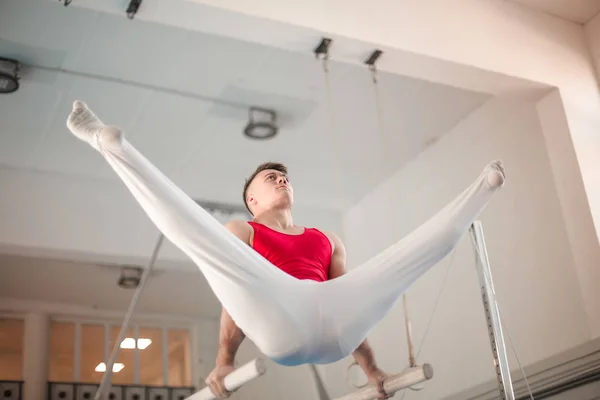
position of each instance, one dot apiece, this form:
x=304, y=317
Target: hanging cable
x=106, y=381
x=437, y=302
x=433, y=312
x=370, y=62
x=387, y=167
x=322, y=53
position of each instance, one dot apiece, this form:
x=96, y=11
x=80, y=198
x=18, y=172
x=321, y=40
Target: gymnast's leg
x=243, y=281
x=358, y=300
x=182, y=221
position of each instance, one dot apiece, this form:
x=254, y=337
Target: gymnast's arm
x=230, y=335
x=363, y=355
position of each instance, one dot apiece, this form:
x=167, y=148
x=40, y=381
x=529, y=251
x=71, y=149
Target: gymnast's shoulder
x=240, y=228
x=334, y=239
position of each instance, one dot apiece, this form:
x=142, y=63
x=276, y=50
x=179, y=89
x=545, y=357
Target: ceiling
x=95, y=285
x=579, y=11
x=183, y=99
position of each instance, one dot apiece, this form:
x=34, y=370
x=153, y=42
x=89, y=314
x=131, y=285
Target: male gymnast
x=305, y=253
x=300, y=253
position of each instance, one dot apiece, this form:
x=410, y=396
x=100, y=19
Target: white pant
x=294, y=321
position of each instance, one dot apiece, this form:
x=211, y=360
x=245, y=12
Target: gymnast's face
x=270, y=189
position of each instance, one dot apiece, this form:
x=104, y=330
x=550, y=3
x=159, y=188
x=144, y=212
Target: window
x=62, y=352
x=147, y=356
x=11, y=349
x=179, y=358
x=150, y=345
x=92, y=353
x=123, y=368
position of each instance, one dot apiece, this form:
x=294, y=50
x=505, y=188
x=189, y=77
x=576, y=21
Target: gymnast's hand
x=376, y=378
x=215, y=380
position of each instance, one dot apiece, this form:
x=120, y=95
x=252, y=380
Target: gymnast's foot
x=84, y=124
x=495, y=174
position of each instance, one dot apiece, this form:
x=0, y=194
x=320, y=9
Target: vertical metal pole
x=492, y=313
x=105, y=383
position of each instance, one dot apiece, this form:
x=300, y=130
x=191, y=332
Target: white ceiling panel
x=169, y=128
x=42, y=32
x=116, y=48
x=298, y=75
x=26, y=116
x=59, y=151
x=579, y=11
x=205, y=64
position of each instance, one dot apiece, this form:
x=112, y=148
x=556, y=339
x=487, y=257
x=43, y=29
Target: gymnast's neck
x=280, y=218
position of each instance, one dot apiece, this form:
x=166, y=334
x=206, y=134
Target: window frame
x=136, y=324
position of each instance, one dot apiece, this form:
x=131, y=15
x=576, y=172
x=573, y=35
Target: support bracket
x=132, y=9
x=373, y=57
x=323, y=48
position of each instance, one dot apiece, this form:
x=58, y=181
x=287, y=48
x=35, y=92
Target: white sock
x=84, y=124
x=496, y=175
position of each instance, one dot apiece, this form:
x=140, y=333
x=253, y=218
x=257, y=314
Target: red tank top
x=304, y=256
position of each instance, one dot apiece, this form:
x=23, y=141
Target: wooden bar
x=235, y=380
x=411, y=376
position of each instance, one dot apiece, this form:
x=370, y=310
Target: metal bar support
x=492, y=313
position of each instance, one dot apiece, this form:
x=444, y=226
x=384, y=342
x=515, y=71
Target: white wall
x=528, y=246
x=592, y=33
x=569, y=187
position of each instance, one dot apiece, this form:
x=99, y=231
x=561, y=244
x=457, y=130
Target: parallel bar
x=235, y=380
x=492, y=313
x=394, y=383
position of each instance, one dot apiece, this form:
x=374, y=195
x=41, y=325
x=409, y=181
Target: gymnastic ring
x=348, y=376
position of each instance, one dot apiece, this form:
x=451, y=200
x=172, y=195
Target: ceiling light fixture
x=9, y=75
x=116, y=367
x=262, y=124
x=129, y=343
x=130, y=277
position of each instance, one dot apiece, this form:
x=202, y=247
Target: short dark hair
x=266, y=165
